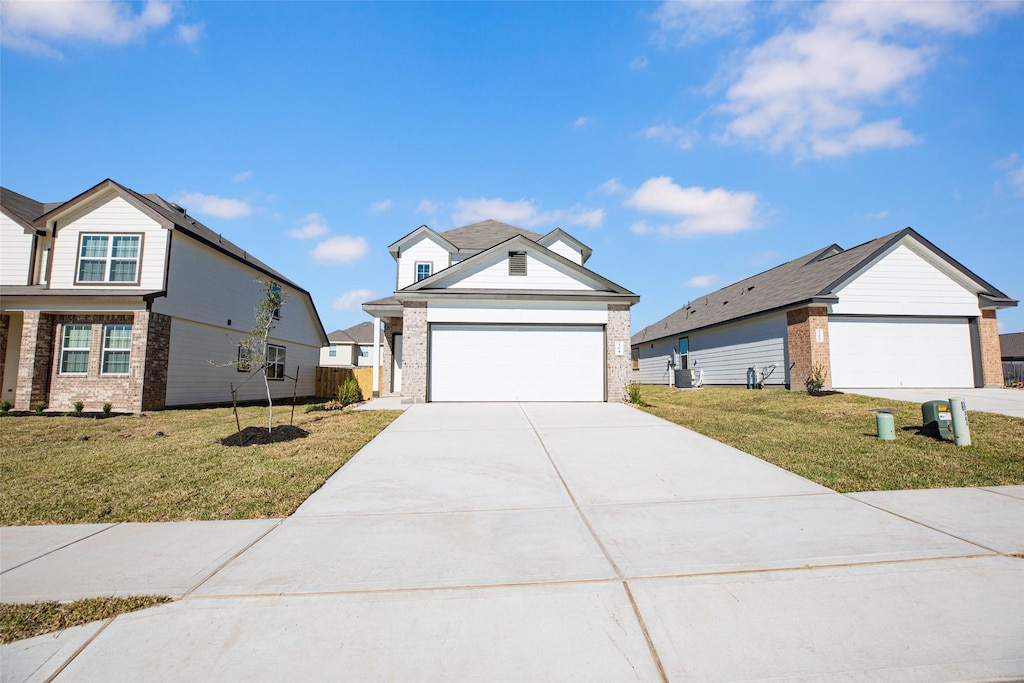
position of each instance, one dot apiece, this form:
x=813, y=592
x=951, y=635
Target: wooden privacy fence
x=329, y=379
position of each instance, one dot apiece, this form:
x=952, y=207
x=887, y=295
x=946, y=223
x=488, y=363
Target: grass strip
x=19, y=621
x=831, y=439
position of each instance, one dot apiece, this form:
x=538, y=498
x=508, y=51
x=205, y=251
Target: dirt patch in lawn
x=260, y=436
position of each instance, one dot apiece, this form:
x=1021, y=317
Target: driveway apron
x=586, y=542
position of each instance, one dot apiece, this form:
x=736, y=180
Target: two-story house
x=123, y=298
x=492, y=312
x=352, y=347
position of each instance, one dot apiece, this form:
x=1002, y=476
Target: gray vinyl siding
x=723, y=353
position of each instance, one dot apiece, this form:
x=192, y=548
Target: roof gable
x=559, y=234
x=423, y=231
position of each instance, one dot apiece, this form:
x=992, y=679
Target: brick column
x=158, y=351
x=35, y=360
x=5, y=333
x=414, y=351
x=805, y=351
x=619, y=369
x=392, y=326
x=991, y=353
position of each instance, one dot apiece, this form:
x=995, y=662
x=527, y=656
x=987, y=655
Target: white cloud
x=36, y=26
x=428, y=206
x=350, y=300
x=703, y=212
x=611, y=186
x=312, y=226
x=812, y=88
x=212, y=205
x=1014, y=168
x=523, y=213
x=340, y=250
x=382, y=205
x=877, y=215
x=190, y=34
x=638, y=63
x=242, y=176
x=678, y=137
x=702, y=281
x=694, y=21
x=582, y=122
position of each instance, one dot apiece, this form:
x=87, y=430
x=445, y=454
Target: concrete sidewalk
x=547, y=542
x=1003, y=401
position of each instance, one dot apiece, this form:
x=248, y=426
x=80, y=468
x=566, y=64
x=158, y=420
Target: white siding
x=723, y=353
x=15, y=253
x=539, y=275
x=208, y=287
x=422, y=250
x=903, y=283
x=900, y=352
x=546, y=312
x=112, y=215
x=192, y=379
x=563, y=248
x=345, y=356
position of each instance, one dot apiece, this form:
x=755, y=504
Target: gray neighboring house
x=1012, y=349
x=492, y=312
x=893, y=312
x=352, y=347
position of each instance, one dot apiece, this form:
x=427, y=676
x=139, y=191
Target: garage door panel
x=900, y=352
x=516, y=363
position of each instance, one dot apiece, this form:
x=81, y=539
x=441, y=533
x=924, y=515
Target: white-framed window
x=277, y=311
x=364, y=350
x=109, y=258
x=117, y=349
x=636, y=359
x=74, y=353
x=275, y=361
x=333, y=351
x=243, y=364
x=423, y=270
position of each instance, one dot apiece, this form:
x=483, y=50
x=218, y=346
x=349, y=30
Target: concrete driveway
x=590, y=542
x=1002, y=401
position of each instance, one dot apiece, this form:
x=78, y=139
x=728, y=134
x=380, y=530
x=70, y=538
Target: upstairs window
x=636, y=359
x=117, y=349
x=517, y=263
x=333, y=352
x=423, y=270
x=74, y=354
x=276, y=289
x=109, y=258
x=364, y=351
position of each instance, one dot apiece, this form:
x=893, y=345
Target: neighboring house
x=122, y=298
x=1012, y=351
x=893, y=312
x=351, y=347
x=491, y=312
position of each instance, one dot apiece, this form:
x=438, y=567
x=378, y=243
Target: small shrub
x=79, y=407
x=5, y=407
x=107, y=408
x=349, y=393
x=38, y=407
x=314, y=407
x=634, y=396
x=816, y=382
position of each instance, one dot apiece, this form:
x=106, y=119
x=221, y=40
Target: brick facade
x=5, y=333
x=805, y=351
x=35, y=360
x=392, y=326
x=158, y=353
x=991, y=353
x=414, y=351
x=619, y=368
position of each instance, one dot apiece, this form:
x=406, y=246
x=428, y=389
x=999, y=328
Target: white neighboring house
x=492, y=312
x=123, y=298
x=352, y=347
x=893, y=312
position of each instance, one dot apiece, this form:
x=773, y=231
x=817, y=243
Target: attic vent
x=177, y=207
x=517, y=263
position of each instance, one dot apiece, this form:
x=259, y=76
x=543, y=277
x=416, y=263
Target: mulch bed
x=256, y=436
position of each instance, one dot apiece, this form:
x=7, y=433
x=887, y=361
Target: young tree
x=252, y=349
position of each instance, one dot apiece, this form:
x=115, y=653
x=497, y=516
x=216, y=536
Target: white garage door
x=900, y=352
x=516, y=363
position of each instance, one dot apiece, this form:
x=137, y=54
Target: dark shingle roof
x=485, y=234
x=23, y=207
x=1012, y=345
x=809, y=279
x=357, y=334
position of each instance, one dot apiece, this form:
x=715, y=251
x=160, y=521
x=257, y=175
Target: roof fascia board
x=83, y=201
x=538, y=250
x=27, y=227
x=395, y=248
x=516, y=295
x=785, y=308
x=557, y=234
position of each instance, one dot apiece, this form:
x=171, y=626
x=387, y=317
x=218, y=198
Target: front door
x=396, y=370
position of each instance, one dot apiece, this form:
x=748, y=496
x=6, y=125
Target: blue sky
x=689, y=144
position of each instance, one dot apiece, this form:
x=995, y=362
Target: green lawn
x=18, y=621
x=75, y=470
x=831, y=439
